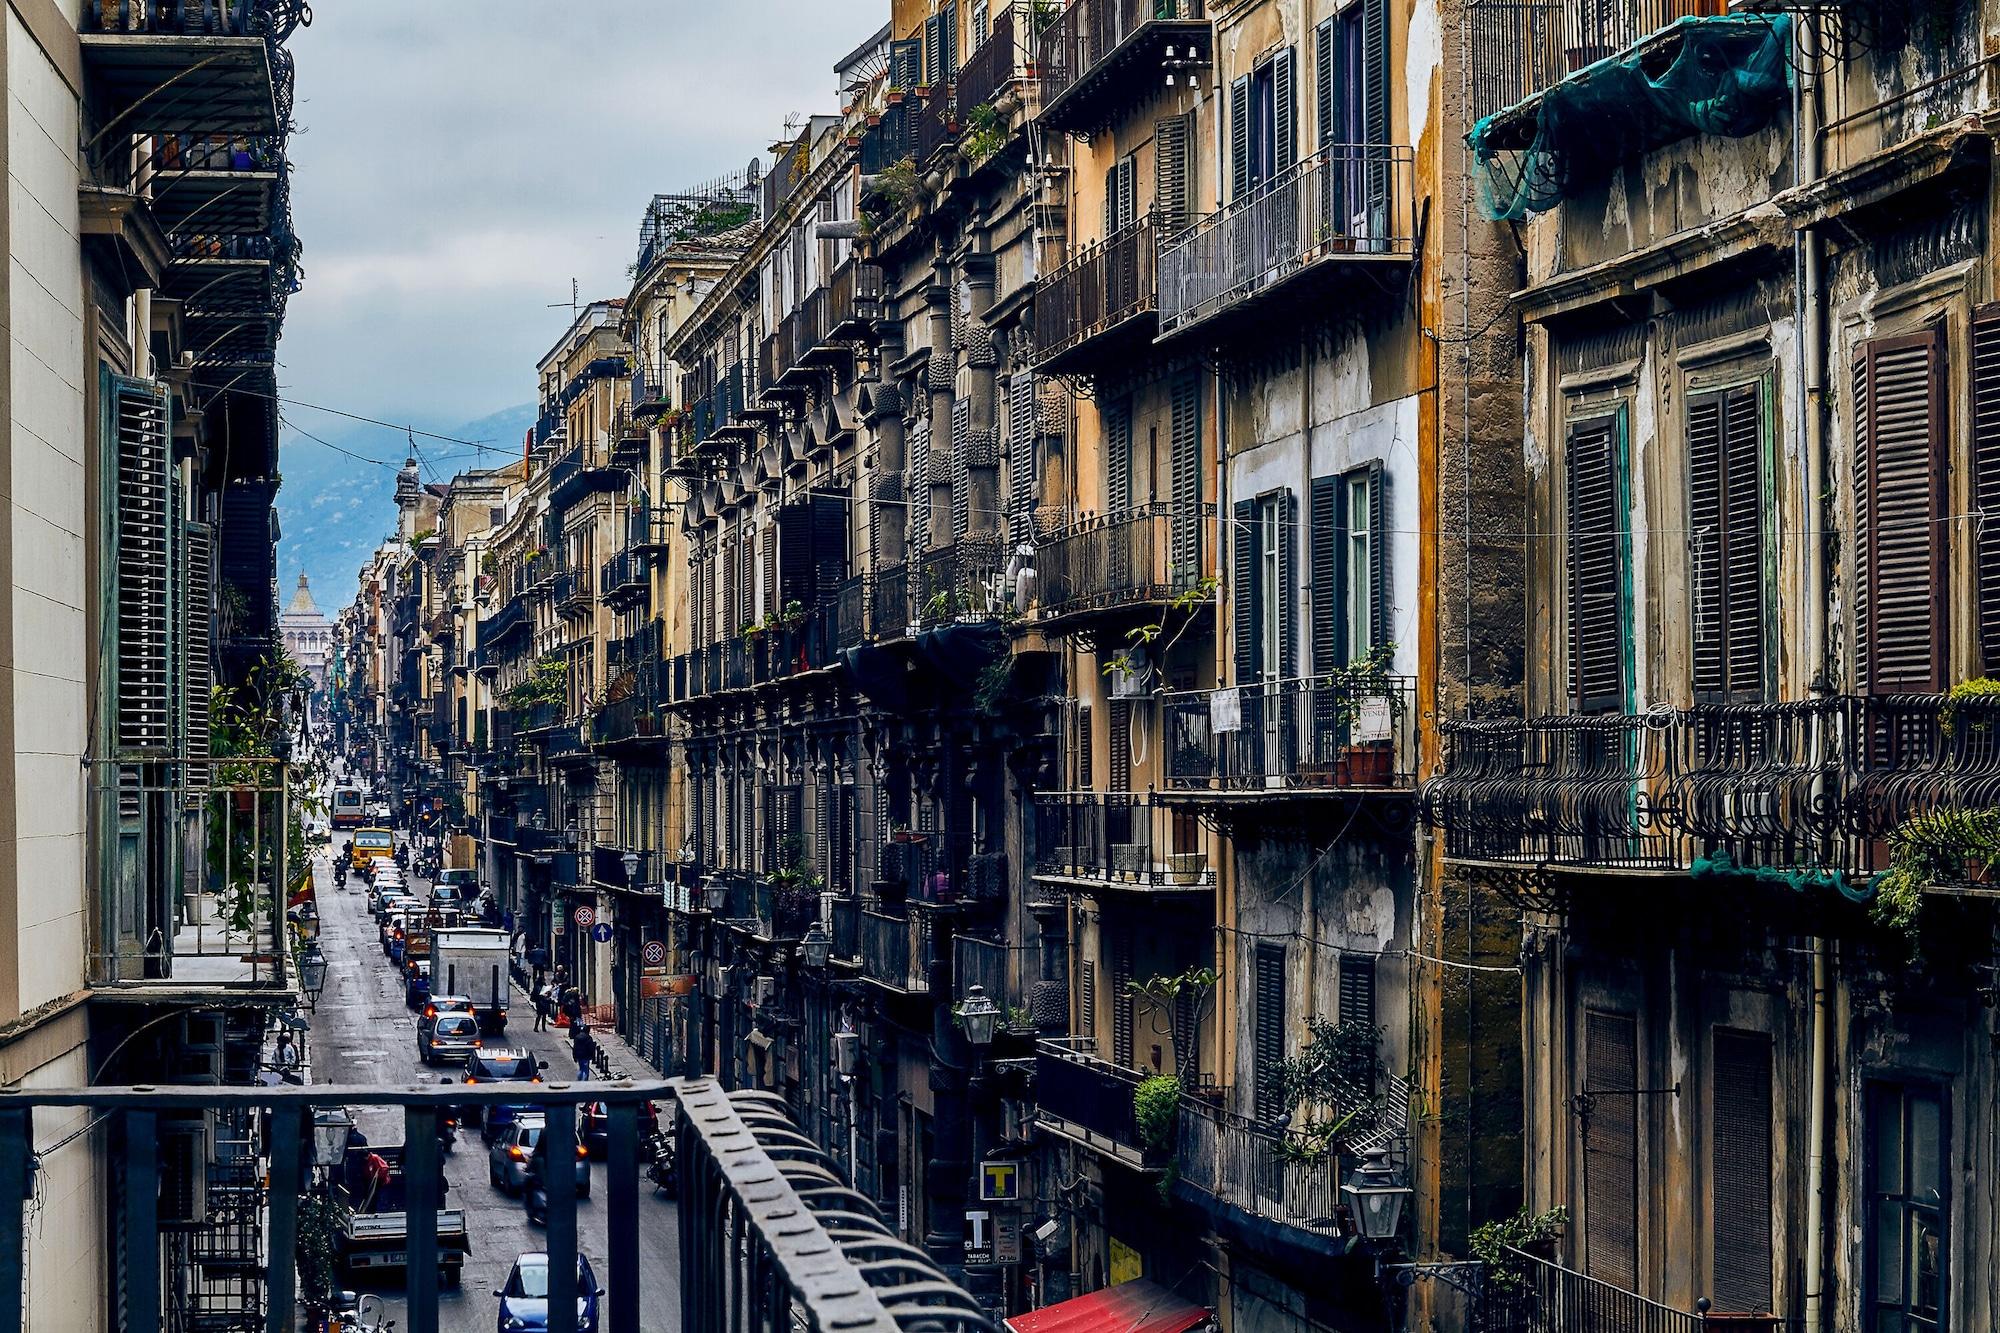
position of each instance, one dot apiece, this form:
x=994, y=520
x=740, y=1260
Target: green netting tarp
x=1725, y=75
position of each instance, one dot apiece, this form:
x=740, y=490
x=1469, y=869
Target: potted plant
x=1365, y=704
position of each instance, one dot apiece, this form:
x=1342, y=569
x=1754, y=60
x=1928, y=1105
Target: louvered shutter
x=1269, y=1030
x=1381, y=609
x=1184, y=459
x=1085, y=777
x=198, y=543
x=1118, y=457
x=1611, y=1150
x=795, y=554
x=1245, y=583
x=1741, y=1158
x=1118, y=757
x=1021, y=457
x=146, y=685
x=1375, y=76
x=1288, y=526
x=961, y=459
x=829, y=547
x=1121, y=996
x=1284, y=112
x=1901, y=507
x=948, y=39
x=1173, y=170
x=1323, y=81
x=746, y=576
x=1986, y=476
x=1596, y=567
x=934, y=49
x=1086, y=1000
x=1239, y=138
x=906, y=63
x=1327, y=553
x=1726, y=546
x=920, y=488
x=1357, y=989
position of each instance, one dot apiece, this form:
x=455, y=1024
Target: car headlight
x=514, y=1321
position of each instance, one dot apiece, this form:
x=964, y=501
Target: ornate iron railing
x=1307, y=733
x=1103, y=287
x=1122, y=839
x=1151, y=554
x=1080, y=50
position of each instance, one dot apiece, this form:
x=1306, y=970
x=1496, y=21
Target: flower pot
x=1187, y=867
x=1368, y=765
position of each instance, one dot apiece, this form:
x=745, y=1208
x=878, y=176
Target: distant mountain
x=335, y=510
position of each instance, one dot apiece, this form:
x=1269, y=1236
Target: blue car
x=524, y=1301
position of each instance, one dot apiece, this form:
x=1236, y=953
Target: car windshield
x=530, y=1135
x=530, y=1280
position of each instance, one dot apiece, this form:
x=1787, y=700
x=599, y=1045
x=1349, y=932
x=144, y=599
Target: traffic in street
x=418, y=991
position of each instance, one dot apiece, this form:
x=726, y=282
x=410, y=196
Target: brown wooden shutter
x=1086, y=998
x=1083, y=748
x=1357, y=988
x=1596, y=567
x=1118, y=456
x=1726, y=544
x=1899, y=476
x=1269, y=1029
x=1741, y=1164
x=1118, y=762
x=1986, y=476
x=1184, y=478
x=1121, y=995
x=1610, y=1140
x=1173, y=172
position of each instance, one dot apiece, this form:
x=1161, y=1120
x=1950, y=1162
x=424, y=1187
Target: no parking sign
x=654, y=954
x=584, y=916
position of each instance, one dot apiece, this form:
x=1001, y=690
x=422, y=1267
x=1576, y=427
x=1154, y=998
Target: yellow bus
x=372, y=844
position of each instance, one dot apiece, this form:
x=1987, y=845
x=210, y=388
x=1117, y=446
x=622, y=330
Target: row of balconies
x=1812, y=787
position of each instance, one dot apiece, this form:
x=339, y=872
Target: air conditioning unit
x=846, y=1052
x=763, y=991
x=183, y=1157
x=1132, y=675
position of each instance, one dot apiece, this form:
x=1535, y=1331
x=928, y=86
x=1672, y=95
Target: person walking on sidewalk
x=584, y=1046
x=544, y=1007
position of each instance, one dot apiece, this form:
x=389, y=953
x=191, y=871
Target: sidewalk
x=615, y=1057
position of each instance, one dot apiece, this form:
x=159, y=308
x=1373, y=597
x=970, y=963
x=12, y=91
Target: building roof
x=302, y=600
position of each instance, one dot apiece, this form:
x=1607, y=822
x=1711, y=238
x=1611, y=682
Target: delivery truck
x=472, y=961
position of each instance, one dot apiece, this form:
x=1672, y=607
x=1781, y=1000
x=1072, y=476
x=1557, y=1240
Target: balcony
x=1122, y=841
x=1100, y=57
x=540, y=716
x=851, y=623
x=957, y=584
x=212, y=68
x=573, y=594
x=1109, y=562
x=1087, y=1100
x=896, y=950
x=635, y=721
x=934, y=125
x=1293, y=739
x=1521, y=47
x=641, y=648
x=649, y=393
x=889, y=141
x=780, y=912
x=225, y=276
x=1099, y=306
x=982, y=963
x=1553, y=1299
x=1243, y=1165
x=607, y=868
x=889, y=611
x=1003, y=57
x=844, y=923
x=623, y=580
x=929, y=866
x=216, y=185
x=1340, y=214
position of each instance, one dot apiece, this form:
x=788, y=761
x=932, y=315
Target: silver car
x=507, y=1160
x=446, y=1037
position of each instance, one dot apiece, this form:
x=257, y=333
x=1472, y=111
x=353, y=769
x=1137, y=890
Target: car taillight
x=516, y=1153
x=470, y=1079
x=536, y=1079
x=582, y=1151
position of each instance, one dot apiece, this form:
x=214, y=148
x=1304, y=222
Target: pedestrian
x=544, y=1008
x=585, y=1046
x=572, y=1006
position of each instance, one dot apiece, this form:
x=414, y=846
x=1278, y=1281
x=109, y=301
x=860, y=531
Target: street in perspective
x=1000, y=666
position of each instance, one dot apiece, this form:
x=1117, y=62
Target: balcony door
x=1350, y=94
x=1909, y=1208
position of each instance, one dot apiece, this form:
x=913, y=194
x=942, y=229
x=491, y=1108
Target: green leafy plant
x=985, y=133
x=1182, y=997
x=1328, y=1088
x=547, y=682
x=1945, y=846
x=1156, y=1109
x=1366, y=677
x=1195, y=595
x=417, y=539
x=1980, y=690
x=1499, y=1245
x=898, y=184
x=991, y=687
x=263, y=793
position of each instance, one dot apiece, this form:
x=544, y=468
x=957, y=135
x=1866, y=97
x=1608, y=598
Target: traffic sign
x=584, y=916
x=654, y=953
x=601, y=932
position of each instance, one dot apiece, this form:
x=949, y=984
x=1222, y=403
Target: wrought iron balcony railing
x=958, y=583
x=982, y=963
x=1100, y=56
x=1086, y=1099
x=623, y=578
x=1520, y=47
x=1005, y=55
x=935, y=124
x=887, y=142
x=1307, y=734
x=1122, y=840
x=1143, y=556
x=1346, y=205
x=896, y=949
x=889, y=602
x=1550, y=1298
x=1106, y=295
x=1238, y=1162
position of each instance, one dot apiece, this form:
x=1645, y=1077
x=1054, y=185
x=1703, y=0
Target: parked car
x=593, y=1126
x=507, y=1159
x=494, y=1064
x=416, y=984
x=524, y=1299
x=447, y=1037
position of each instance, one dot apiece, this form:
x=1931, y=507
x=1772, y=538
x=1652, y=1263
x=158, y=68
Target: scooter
x=660, y=1161
x=447, y=1127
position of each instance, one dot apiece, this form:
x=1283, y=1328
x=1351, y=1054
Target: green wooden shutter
x=1239, y=138
x=1375, y=56
x=906, y=63
x=1323, y=81
x=1245, y=585
x=948, y=38
x=1268, y=1030
x=1381, y=607
x=1284, y=112
x=1986, y=476
x=1173, y=170
x=1184, y=467
x=1610, y=1142
x=1901, y=471
x=1740, y=1163
x=1596, y=567
x=1118, y=456
x=1288, y=526
x=147, y=688
x=934, y=50
x=1327, y=554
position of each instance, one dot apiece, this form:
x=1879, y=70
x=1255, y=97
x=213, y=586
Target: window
x=1599, y=562
x=1350, y=613
x=1986, y=475
x=1899, y=472
x=1121, y=995
x=1118, y=456
x=1726, y=542
x=1270, y=589
x=1608, y=1127
x=1740, y=1172
x=1268, y=1046
x=1263, y=124
x=1908, y=1207
x=1358, y=599
x=1173, y=171
x=1262, y=571
x=1121, y=195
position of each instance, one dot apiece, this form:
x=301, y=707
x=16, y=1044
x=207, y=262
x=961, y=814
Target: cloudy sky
x=459, y=161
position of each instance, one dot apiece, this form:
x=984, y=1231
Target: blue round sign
x=601, y=932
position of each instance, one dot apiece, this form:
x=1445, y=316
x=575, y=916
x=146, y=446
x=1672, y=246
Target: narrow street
x=363, y=1033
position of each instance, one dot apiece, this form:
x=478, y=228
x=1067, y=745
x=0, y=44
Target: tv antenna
x=573, y=304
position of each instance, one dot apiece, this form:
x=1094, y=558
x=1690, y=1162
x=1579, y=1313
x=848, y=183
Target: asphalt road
x=362, y=1033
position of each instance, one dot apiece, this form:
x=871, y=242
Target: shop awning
x=1143, y=1306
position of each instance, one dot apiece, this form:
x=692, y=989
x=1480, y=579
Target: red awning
x=1143, y=1306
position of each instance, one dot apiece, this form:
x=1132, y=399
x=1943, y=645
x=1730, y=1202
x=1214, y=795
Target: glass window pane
x=1926, y=1259
x=1886, y=1111
x=1926, y=1148
x=1889, y=1253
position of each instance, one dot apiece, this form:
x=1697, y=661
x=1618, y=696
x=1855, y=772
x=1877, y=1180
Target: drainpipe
x=1822, y=1057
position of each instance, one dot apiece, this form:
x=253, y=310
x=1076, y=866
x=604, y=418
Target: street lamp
x=816, y=947
x=1376, y=1196
x=630, y=860
x=312, y=975
x=979, y=1014
x=331, y=1126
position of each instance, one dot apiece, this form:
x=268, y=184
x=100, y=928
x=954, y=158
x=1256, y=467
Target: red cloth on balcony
x=1143, y=1306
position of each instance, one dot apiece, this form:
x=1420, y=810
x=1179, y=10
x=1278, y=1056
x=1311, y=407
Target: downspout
x=1811, y=323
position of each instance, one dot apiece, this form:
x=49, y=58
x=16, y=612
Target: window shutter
x=1380, y=610
x=1323, y=82
x=1121, y=996
x=920, y=487
x=1118, y=457
x=1611, y=1150
x=1118, y=760
x=1284, y=112
x=1328, y=552
x=829, y=547
x=1741, y=1159
x=1128, y=192
x=1357, y=989
x=1084, y=775
x=1269, y=1032
x=1375, y=56
x=795, y=554
x=1184, y=456
x=934, y=49
x=1021, y=457
x=1725, y=436
x=1244, y=576
x=1173, y=163
x=1986, y=476
x=200, y=611
x=1239, y=138
x=1086, y=999
x=1900, y=472
x=906, y=63
x=146, y=689
x=1596, y=568
x=948, y=39
x=1110, y=201
x=1288, y=526
x=961, y=460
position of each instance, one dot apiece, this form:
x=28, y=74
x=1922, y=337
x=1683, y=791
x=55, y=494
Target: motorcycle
x=447, y=1127
x=660, y=1161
